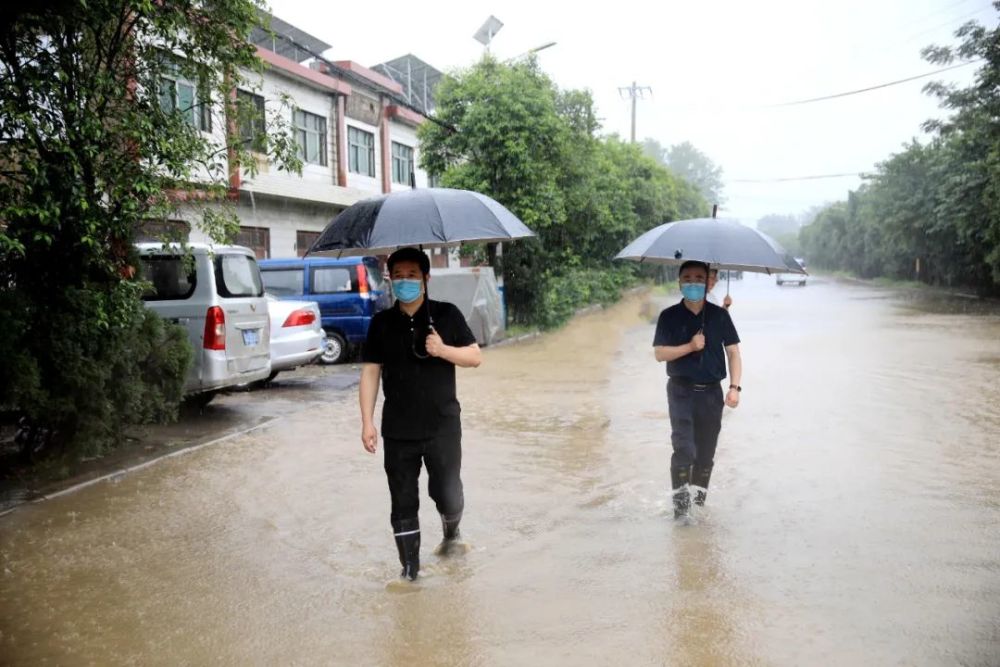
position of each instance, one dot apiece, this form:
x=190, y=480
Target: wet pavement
x=854, y=516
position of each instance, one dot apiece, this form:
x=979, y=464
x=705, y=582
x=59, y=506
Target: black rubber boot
x=700, y=476
x=407, y=534
x=680, y=478
x=449, y=526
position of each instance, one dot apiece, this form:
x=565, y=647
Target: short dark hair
x=693, y=264
x=410, y=255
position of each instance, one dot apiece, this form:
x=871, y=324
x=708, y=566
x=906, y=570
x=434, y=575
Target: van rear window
x=284, y=282
x=331, y=280
x=171, y=277
x=375, y=280
x=237, y=275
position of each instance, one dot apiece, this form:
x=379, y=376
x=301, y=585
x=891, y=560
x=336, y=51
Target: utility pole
x=635, y=93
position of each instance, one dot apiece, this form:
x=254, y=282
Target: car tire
x=199, y=402
x=334, y=349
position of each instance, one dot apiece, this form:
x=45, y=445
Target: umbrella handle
x=427, y=304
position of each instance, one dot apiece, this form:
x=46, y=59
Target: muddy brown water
x=854, y=516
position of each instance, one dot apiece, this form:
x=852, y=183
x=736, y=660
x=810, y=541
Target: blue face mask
x=693, y=291
x=406, y=291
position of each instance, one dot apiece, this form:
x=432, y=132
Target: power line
x=871, y=88
x=795, y=178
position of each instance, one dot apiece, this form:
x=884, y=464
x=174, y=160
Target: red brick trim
x=341, y=141
x=370, y=74
x=404, y=115
x=288, y=65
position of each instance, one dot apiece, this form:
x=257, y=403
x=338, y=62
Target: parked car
x=797, y=278
x=297, y=337
x=349, y=292
x=216, y=293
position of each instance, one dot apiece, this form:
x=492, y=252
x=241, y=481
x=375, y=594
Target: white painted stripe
x=145, y=464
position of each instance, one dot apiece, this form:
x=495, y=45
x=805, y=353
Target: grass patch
x=666, y=289
x=516, y=330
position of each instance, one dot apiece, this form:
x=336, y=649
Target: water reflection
x=854, y=516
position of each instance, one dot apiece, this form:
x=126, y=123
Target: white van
x=216, y=293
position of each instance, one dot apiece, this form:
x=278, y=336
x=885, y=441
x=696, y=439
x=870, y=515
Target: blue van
x=349, y=292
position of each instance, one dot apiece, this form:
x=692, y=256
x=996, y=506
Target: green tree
x=694, y=166
x=508, y=131
x=931, y=211
x=111, y=112
x=782, y=228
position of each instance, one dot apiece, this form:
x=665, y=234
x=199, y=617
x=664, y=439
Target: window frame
x=199, y=113
x=303, y=131
x=354, y=149
x=250, y=134
x=406, y=159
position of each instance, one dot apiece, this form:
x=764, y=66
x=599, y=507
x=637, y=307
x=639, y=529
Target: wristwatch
x=736, y=387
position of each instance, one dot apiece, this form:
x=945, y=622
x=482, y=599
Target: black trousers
x=695, y=422
x=442, y=455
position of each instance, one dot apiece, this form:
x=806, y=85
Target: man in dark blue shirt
x=696, y=338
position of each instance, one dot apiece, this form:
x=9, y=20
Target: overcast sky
x=712, y=67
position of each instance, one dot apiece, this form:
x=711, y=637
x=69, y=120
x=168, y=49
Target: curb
x=140, y=466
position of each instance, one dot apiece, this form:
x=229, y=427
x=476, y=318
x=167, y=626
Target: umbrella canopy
x=427, y=218
x=720, y=243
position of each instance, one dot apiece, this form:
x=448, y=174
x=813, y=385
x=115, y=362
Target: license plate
x=251, y=337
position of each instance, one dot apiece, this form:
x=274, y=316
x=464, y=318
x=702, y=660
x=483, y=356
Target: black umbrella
x=720, y=243
x=429, y=218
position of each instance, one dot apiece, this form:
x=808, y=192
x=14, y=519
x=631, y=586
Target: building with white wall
x=357, y=136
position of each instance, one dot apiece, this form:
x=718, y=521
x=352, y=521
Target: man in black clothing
x=696, y=338
x=412, y=349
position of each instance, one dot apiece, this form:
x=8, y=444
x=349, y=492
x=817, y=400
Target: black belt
x=690, y=384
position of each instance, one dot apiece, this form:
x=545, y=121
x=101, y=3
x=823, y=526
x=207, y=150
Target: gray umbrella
x=429, y=218
x=720, y=243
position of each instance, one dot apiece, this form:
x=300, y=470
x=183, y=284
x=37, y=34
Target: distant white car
x=796, y=278
x=297, y=336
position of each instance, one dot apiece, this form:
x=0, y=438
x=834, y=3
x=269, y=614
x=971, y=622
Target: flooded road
x=854, y=516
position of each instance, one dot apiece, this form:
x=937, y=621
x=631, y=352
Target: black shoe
x=700, y=476
x=679, y=478
x=407, y=534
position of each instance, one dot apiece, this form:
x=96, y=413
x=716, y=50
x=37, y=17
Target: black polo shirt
x=420, y=399
x=677, y=325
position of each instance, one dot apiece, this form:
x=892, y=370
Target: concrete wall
x=282, y=217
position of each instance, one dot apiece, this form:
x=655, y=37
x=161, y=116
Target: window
x=251, y=116
x=177, y=93
x=163, y=230
x=304, y=241
x=237, y=275
x=310, y=134
x=257, y=239
x=173, y=277
x=361, y=152
x=402, y=163
x=331, y=280
x=284, y=282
